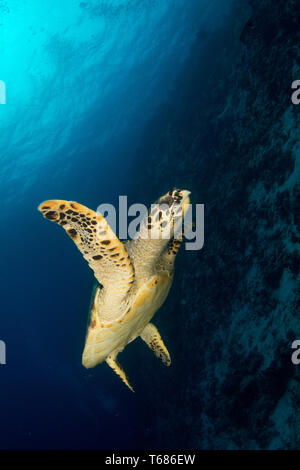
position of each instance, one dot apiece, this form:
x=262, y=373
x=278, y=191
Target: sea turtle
x=133, y=277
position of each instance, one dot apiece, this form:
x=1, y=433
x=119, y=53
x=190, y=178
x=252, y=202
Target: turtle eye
x=166, y=200
x=172, y=197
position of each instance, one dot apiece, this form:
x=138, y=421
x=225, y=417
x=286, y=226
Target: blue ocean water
x=82, y=79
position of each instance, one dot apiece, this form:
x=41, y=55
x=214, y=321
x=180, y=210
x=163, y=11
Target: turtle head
x=167, y=213
x=175, y=197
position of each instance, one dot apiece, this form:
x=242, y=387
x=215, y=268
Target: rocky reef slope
x=230, y=133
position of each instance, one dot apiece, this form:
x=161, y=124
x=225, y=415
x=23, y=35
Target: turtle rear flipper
x=153, y=339
x=118, y=369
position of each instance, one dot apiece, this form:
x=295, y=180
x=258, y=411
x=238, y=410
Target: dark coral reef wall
x=230, y=133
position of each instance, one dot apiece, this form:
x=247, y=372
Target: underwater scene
x=187, y=114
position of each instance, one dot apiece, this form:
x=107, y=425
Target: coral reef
x=230, y=133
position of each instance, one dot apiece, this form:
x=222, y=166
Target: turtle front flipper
x=153, y=339
x=99, y=245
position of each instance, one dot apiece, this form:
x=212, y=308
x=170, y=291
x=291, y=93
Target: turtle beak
x=185, y=201
x=185, y=197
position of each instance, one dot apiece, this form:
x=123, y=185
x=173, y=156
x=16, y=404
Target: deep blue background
x=82, y=79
